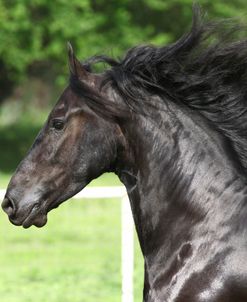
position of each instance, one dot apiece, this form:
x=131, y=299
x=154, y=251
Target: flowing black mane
x=206, y=70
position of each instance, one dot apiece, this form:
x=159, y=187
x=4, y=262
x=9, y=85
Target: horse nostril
x=8, y=206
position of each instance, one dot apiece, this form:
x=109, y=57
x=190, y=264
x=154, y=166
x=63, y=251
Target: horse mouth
x=35, y=217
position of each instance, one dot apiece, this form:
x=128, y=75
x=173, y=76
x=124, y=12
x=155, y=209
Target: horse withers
x=171, y=122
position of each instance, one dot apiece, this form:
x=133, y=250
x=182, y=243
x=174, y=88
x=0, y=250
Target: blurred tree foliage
x=33, y=33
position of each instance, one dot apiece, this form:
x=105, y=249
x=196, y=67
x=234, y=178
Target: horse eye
x=58, y=124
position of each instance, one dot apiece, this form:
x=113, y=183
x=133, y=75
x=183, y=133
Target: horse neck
x=179, y=177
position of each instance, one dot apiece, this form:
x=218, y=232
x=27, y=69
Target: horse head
x=74, y=146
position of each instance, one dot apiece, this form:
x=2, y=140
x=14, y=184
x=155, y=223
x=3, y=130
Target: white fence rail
x=127, y=232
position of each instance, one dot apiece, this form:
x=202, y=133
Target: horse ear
x=76, y=68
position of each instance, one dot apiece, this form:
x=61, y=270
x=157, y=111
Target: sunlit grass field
x=74, y=258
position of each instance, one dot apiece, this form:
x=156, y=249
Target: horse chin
x=36, y=217
x=38, y=221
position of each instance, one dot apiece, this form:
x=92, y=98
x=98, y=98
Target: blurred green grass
x=75, y=257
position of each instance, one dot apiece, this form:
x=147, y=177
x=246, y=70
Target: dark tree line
x=33, y=33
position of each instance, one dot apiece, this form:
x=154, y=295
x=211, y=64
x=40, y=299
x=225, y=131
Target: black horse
x=171, y=122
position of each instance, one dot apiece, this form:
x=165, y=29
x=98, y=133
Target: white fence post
x=127, y=251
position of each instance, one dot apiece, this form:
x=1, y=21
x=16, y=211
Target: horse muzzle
x=32, y=214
